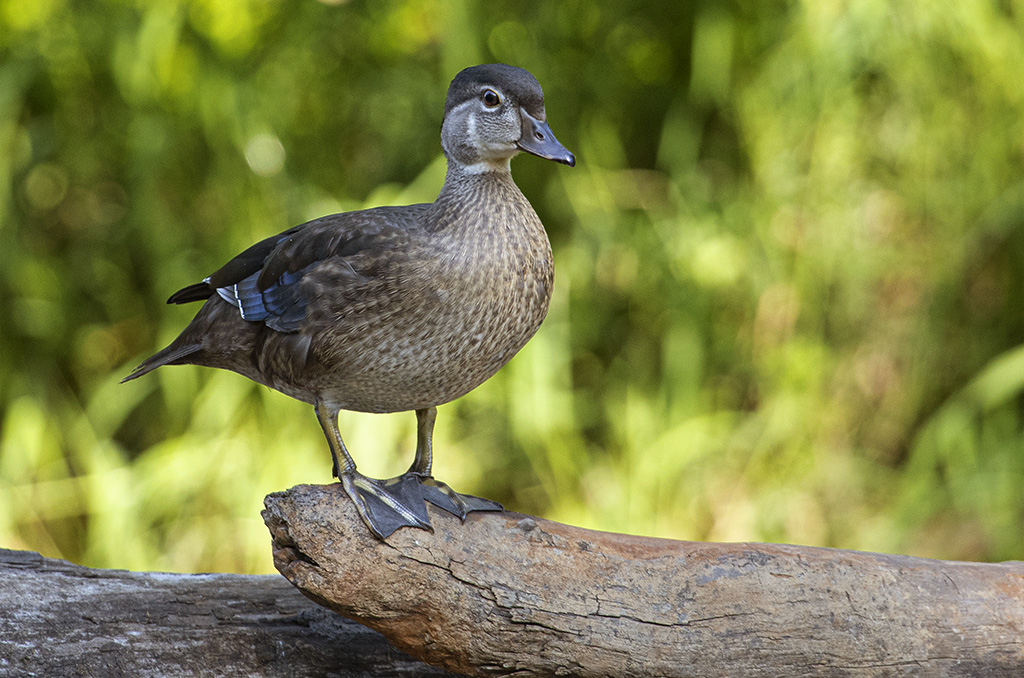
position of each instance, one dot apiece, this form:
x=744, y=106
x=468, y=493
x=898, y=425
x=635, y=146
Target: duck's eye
x=491, y=98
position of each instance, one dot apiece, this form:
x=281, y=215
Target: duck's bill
x=539, y=140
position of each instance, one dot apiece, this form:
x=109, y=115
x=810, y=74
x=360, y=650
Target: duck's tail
x=168, y=356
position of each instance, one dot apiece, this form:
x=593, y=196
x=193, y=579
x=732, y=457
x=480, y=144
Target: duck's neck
x=474, y=191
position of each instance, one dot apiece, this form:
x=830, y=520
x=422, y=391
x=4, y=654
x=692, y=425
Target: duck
x=395, y=308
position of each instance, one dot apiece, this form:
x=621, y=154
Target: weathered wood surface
x=59, y=619
x=507, y=594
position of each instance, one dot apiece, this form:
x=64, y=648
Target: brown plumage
x=395, y=308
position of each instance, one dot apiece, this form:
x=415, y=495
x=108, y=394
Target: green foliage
x=789, y=265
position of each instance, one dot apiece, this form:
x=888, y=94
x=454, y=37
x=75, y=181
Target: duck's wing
x=240, y=267
x=264, y=281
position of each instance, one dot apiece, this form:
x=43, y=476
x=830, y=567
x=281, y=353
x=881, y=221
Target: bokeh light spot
x=265, y=154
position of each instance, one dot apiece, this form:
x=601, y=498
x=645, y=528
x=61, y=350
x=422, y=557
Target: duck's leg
x=436, y=492
x=383, y=506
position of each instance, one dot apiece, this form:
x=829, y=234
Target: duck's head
x=494, y=111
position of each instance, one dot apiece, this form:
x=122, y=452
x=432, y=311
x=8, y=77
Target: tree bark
x=59, y=619
x=508, y=594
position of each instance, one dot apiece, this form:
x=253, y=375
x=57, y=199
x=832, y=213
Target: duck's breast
x=454, y=311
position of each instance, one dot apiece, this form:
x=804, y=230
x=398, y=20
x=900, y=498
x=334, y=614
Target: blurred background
x=790, y=265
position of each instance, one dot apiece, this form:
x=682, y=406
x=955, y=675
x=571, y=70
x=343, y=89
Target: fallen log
x=508, y=594
x=59, y=619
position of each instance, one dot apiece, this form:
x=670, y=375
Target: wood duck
x=395, y=308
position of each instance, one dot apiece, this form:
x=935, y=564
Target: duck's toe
x=480, y=504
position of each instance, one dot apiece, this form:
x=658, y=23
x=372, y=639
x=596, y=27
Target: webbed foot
x=386, y=505
x=442, y=496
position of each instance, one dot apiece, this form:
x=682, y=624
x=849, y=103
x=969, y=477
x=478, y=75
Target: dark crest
x=509, y=79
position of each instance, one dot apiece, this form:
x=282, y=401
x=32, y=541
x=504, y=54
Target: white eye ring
x=490, y=98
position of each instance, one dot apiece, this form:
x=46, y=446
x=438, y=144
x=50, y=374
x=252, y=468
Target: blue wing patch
x=281, y=306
